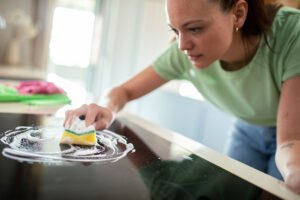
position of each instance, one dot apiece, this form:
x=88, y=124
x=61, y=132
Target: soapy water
x=42, y=145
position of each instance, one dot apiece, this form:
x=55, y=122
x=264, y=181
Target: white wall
x=154, y=33
x=135, y=33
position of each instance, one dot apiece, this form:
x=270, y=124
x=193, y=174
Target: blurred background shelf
x=21, y=73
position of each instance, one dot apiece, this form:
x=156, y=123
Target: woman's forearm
x=288, y=133
x=141, y=84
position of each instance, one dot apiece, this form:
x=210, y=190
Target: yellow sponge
x=86, y=138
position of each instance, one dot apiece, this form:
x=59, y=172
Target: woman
x=242, y=56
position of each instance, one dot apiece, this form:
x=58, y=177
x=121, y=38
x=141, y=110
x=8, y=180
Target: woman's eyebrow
x=191, y=22
x=188, y=23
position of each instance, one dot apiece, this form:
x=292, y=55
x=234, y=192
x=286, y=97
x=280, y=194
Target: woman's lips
x=194, y=58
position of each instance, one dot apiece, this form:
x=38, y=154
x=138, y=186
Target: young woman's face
x=203, y=30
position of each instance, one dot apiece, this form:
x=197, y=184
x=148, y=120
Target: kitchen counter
x=164, y=165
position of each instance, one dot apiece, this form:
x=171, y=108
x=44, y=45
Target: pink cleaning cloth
x=39, y=87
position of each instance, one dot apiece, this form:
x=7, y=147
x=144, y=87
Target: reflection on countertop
x=151, y=172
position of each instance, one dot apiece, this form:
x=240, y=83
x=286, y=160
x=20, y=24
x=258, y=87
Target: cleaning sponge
x=78, y=133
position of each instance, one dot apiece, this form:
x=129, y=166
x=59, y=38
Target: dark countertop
x=158, y=169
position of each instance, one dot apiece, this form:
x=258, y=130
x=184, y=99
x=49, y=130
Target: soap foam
x=78, y=126
x=42, y=145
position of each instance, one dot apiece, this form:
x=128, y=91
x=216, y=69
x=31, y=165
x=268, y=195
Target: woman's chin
x=200, y=65
x=203, y=65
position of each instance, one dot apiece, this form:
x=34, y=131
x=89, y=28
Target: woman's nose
x=184, y=43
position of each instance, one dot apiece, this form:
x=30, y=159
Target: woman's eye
x=195, y=30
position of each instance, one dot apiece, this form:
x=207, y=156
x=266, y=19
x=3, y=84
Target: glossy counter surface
x=165, y=165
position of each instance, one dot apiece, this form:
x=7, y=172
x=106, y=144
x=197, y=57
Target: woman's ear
x=240, y=11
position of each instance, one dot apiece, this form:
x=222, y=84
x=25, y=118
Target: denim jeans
x=255, y=146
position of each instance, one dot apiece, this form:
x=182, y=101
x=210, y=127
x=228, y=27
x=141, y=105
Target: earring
x=236, y=29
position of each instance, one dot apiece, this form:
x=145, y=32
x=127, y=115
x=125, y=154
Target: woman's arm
x=288, y=133
x=138, y=86
x=103, y=116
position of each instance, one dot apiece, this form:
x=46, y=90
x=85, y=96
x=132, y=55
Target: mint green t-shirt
x=251, y=93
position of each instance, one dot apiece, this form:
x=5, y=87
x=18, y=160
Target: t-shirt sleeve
x=291, y=66
x=170, y=65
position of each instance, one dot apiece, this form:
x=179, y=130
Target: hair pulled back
x=259, y=19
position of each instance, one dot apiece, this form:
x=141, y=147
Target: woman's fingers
x=98, y=116
x=101, y=124
x=69, y=118
x=92, y=112
x=67, y=114
x=71, y=114
x=104, y=120
x=101, y=117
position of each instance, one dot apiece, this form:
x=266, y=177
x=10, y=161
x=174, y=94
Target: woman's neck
x=241, y=53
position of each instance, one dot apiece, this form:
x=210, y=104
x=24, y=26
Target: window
x=71, y=37
x=71, y=46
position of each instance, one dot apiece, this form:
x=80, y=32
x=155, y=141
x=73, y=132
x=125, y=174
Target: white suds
x=43, y=145
x=78, y=126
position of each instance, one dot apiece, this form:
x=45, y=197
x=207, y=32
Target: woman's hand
x=100, y=117
x=287, y=160
x=292, y=178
